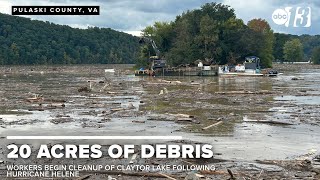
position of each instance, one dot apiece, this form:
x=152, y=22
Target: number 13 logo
x=298, y=17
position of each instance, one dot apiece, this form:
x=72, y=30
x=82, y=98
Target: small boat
x=251, y=67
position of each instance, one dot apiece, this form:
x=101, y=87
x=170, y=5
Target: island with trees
x=213, y=32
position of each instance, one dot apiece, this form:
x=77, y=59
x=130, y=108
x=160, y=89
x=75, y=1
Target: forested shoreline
x=25, y=41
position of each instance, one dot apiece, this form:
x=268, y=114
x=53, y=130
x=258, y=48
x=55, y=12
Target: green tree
x=266, y=42
x=113, y=57
x=14, y=53
x=293, y=50
x=163, y=35
x=198, y=35
x=149, y=31
x=183, y=48
x=316, y=55
x=212, y=33
x=208, y=36
x=232, y=42
x=66, y=58
x=280, y=40
x=143, y=60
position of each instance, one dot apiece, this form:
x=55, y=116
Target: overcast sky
x=133, y=15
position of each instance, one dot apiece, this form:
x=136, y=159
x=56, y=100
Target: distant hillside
x=309, y=43
x=25, y=41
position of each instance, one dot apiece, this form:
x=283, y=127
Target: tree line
x=215, y=34
x=25, y=41
x=212, y=33
x=293, y=48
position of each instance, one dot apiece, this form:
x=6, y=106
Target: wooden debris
x=36, y=98
x=131, y=106
x=171, y=82
x=165, y=90
x=260, y=174
x=133, y=158
x=105, y=119
x=199, y=175
x=181, y=115
x=187, y=162
x=56, y=105
x=139, y=174
x=245, y=119
x=231, y=174
x=84, y=89
x=32, y=100
x=84, y=177
x=184, y=120
x=185, y=115
x=269, y=122
x=135, y=121
x=164, y=175
x=37, y=109
x=296, y=78
x=245, y=92
x=215, y=172
x=116, y=103
x=212, y=125
x=116, y=109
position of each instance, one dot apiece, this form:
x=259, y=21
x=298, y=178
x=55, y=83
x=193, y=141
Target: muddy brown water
x=92, y=113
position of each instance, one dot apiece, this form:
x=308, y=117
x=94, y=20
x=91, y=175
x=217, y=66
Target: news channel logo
x=292, y=16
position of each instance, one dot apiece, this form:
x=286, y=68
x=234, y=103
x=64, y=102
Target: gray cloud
x=134, y=15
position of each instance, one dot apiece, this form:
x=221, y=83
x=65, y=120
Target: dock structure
x=181, y=71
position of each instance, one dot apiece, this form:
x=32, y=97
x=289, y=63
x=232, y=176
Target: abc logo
x=292, y=16
x=280, y=16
